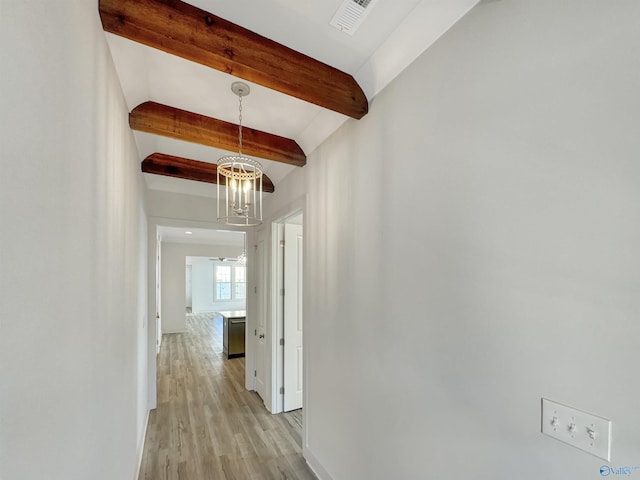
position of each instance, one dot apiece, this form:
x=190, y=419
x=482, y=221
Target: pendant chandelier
x=239, y=180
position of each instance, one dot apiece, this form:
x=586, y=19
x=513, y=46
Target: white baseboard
x=315, y=466
x=141, y=446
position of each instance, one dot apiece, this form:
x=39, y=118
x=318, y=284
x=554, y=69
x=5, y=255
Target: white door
x=158, y=296
x=260, y=283
x=187, y=284
x=292, y=317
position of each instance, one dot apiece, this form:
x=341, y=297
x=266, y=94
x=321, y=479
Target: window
x=230, y=283
x=223, y=282
x=240, y=282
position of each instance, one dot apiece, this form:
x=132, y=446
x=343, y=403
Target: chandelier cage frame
x=239, y=180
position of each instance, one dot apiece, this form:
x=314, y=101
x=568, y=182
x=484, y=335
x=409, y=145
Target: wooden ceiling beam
x=179, y=167
x=199, y=36
x=172, y=122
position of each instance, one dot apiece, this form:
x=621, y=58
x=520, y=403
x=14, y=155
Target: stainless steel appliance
x=233, y=332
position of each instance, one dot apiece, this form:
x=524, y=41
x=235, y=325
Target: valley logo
x=606, y=470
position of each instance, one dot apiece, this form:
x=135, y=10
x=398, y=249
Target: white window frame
x=233, y=282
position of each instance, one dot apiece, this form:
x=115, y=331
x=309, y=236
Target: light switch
x=579, y=429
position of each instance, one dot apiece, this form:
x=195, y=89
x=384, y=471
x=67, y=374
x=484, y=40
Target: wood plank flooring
x=207, y=426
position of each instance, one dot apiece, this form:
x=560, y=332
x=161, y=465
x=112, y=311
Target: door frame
x=154, y=295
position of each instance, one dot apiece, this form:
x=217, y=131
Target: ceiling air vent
x=351, y=14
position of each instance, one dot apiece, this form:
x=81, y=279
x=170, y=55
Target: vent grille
x=351, y=14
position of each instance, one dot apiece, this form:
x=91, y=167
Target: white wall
x=72, y=252
x=167, y=205
x=472, y=246
x=173, y=281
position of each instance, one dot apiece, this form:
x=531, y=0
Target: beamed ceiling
x=176, y=62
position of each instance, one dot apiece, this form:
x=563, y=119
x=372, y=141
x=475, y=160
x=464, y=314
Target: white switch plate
x=579, y=429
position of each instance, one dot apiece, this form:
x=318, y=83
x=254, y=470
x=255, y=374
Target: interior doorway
x=293, y=360
x=216, y=281
x=287, y=298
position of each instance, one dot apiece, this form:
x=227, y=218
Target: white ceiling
x=394, y=33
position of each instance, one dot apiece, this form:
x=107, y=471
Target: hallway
x=207, y=426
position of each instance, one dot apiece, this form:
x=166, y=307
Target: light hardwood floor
x=207, y=426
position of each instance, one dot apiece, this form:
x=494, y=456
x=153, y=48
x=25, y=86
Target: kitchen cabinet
x=233, y=332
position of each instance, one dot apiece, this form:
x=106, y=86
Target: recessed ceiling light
x=189, y=233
